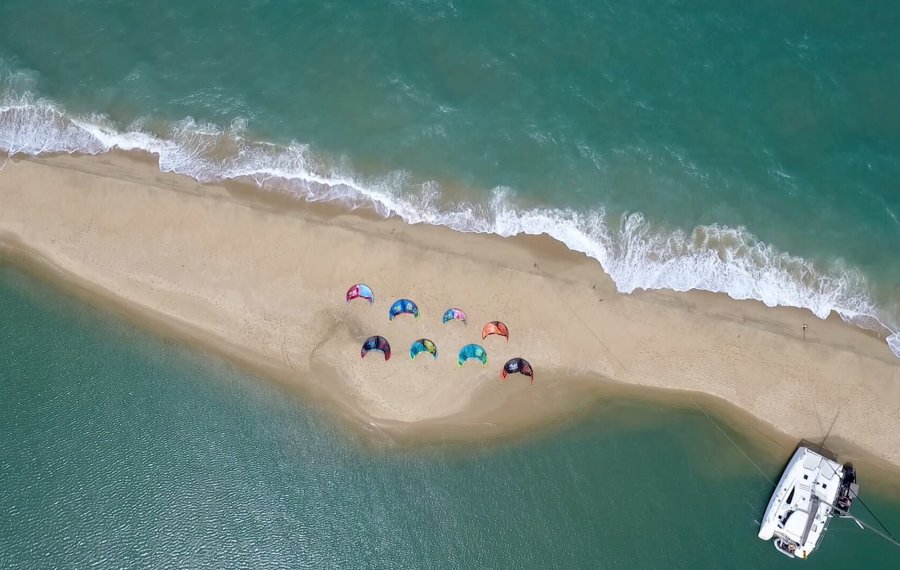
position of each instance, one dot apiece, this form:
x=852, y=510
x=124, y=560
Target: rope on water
x=734, y=443
x=887, y=535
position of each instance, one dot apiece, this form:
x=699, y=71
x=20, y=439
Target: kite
x=401, y=306
x=422, y=345
x=472, y=351
x=495, y=327
x=455, y=315
x=360, y=291
x=514, y=365
x=378, y=343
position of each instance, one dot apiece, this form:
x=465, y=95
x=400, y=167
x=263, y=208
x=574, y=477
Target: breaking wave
x=635, y=254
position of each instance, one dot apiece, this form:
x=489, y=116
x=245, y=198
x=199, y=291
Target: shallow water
x=123, y=449
x=749, y=149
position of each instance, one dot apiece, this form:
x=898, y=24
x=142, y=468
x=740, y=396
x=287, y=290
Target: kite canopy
x=402, y=306
x=495, y=327
x=517, y=365
x=455, y=315
x=472, y=351
x=422, y=345
x=360, y=291
x=378, y=343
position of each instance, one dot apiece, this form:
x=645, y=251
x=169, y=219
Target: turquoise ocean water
x=752, y=149
x=119, y=449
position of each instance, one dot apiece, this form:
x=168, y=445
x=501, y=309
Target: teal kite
x=472, y=351
x=422, y=345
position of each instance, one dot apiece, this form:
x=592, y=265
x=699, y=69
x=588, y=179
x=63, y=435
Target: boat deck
x=801, y=505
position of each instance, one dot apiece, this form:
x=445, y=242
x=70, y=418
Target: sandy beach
x=261, y=278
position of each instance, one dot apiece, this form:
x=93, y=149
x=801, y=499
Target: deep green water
x=119, y=449
x=749, y=148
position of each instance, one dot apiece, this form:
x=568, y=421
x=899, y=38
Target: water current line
x=734, y=443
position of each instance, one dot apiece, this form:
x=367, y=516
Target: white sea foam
x=635, y=254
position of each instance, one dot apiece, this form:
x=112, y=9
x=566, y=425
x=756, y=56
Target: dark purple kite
x=517, y=365
x=378, y=343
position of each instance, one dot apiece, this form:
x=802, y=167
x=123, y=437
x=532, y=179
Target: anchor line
x=887, y=535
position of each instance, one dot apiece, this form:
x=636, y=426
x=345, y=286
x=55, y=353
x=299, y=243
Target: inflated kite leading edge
x=472, y=351
x=360, y=291
x=422, y=345
x=403, y=306
x=378, y=343
x=495, y=327
x=455, y=314
x=517, y=365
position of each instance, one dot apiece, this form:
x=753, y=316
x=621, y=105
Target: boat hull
x=803, y=502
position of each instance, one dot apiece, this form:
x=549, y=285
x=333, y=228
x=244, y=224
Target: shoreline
x=66, y=214
x=774, y=445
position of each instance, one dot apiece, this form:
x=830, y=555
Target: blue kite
x=403, y=306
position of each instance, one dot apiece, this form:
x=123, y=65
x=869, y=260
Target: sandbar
x=260, y=277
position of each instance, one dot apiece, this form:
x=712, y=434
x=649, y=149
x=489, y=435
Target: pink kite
x=360, y=291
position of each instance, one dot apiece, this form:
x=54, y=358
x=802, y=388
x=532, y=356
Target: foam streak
x=635, y=254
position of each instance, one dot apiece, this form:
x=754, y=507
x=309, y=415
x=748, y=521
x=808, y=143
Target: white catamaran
x=813, y=488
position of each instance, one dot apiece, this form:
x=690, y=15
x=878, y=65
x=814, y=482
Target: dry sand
x=261, y=279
